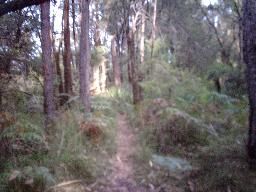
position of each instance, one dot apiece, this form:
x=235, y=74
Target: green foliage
x=34, y=179
x=160, y=50
x=223, y=166
x=98, y=54
x=235, y=84
x=68, y=153
x=218, y=70
x=122, y=98
x=25, y=128
x=182, y=115
x=81, y=167
x=170, y=130
x=231, y=79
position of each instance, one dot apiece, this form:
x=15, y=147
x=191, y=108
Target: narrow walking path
x=121, y=178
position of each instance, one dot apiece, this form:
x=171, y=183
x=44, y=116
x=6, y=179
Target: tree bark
x=142, y=39
x=249, y=51
x=136, y=88
x=84, y=67
x=67, y=51
x=115, y=63
x=153, y=35
x=97, y=40
x=58, y=87
x=47, y=62
x=74, y=33
x=18, y=5
x=58, y=72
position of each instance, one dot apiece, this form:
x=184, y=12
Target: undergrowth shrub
x=231, y=80
x=79, y=143
x=23, y=151
x=223, y=167
x=199, y=123
x=82, y=166
x=30, y=179
x=172, y=130
x=65, y=151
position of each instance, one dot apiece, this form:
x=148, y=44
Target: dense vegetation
x=173, y=71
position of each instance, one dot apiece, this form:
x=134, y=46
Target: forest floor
x=124, y=166
x=120, y=176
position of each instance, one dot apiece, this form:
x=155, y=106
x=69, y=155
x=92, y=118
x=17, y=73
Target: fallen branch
x=64, y=184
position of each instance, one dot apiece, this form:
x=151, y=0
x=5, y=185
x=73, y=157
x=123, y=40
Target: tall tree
x=56, y=61
x=135, y=76
x=84, y=67
x=153, y=35
x=97, y=40
x=47, y=62
x=142, y=36
x=67, y=50
x=74, y=31
x=249, y=51
x=115, y=63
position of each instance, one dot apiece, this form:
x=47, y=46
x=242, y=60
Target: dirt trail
x=121, y=178
x=121, y=173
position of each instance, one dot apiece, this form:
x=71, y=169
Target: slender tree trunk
x=74, y=32
x=240, y=35
x=142, y=39
x=84, y=70
x=1, y=99
x=58, y=87
x=58, y=68
x=115, y=63
x=136, y=89
x=97, y=73
x=47, y=62
x=249, y=51
x=97, y=40
x=58, y=71
x=129, y=68
x=67, y=51
x=153, y=35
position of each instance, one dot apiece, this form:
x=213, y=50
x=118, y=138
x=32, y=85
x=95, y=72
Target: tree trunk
x=142, y=39
x=84, y=67
x=47, y=62
x=58, y=72
x=249, y=51
x=74, y=33
x=97, y=40
x=115, y=63
x=153, y=35
x=67, y=51
x=1, y=99
x=225, y=57
x=58, y=87
x=136, y=88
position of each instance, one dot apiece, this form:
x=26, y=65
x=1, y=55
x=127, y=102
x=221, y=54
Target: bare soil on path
x=121, y=178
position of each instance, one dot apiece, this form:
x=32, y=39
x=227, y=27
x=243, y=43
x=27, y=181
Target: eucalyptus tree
x=124, y=22
x=224, y=22
x=67, y=50
x=47, y=62
x=84, y=64
x=118, y=17
x=249, y=51
x=115, y=62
